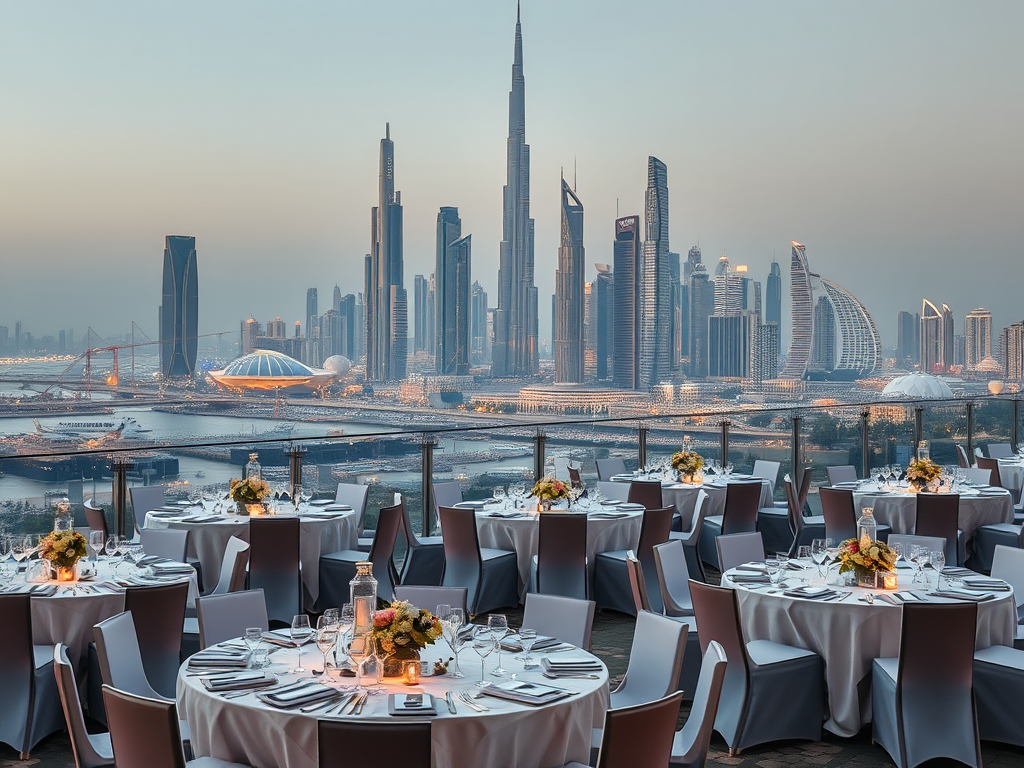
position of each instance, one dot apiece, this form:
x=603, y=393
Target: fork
x=466, y=697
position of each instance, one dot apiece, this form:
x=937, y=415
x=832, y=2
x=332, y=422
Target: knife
x=362, y=703
x=451, y=703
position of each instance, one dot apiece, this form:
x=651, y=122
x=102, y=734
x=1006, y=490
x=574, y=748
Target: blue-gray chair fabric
x=691, y=538
x=841, y=516
x=922, y=702
x=938, y=514
x=771, y=691
x=844, y=473
x=90, y=750
x=988, y=537
x=611, y=580
x=344, y=744
x=690, y=745
x=562, y=555
x=773, y=525
x=275, y=566
x=223, y=617
x=447, y=493
x=429, y=598
x=490, y=575
x=159, y=613
x=998, y=692
x=742, y=502
x=805, y=529
x=567, y=618
x=1008, y=565
x=767, y=470
x=673, y=578
x=424, y=556
x=337, y=569
x=738, y=548
x=655, y=660
x=1000, y=451
x=354, y=495
x=607, y=468
x=30, y=706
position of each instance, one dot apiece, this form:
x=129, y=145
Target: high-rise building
x=336, y=302
x=731, y=343
x=569, y=280
x=702, y=306
x=802, y=314
x=419, y=313
x=602, y=319
x=766, y=353
x=431, y=313
x=312, y=312
x=676, y=302
x=627, y=256
x=452, y=355
x=387, y=310
x=17, y=323
x=514, y=352
x=179, y=312
x=908, y=338
x=938, y=342
x=693, y=258
x=359, y=328
x=1011, y=346
x=773, y=296
x=655, y=287
x=978, y=337
x=348, y=309
x=250, y=331
x=276, y=328
x=823, y=340
x=479, y=339
x=449, y=229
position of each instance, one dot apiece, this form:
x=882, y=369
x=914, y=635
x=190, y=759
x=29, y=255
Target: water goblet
x=497, y=623
x=819, y=552
x=326, y=639
x=300, y=633
x=359, y=652
x=455, y=620
x=483, y=644
x=96, y=543
x=253, y=637
x=296, y=497
x=527, y=637
x=937, y=560
x=110, y=546
x=499, y=496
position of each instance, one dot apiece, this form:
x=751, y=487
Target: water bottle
x=253, y=469
x=62, y=519
x=363, y=596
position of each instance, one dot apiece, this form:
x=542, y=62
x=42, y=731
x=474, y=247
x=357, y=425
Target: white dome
x=918, y=386
x=338, y=364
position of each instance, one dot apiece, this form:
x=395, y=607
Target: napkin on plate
x=607, y=515
x=977, y=597
x=526, y=692
x=297, y=697
x=321, y=503
x=169, y=566
x=570, y=663
x=990, y=585
x=282, y=637
x=398, y=705
x=240, y=680
x=543, y=641
x=219, y=658
x=810, y=593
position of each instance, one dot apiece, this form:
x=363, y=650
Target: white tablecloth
x=316, y=537
x=523, y=533
x=850, y=635
x=244, y=730
x=899, y=510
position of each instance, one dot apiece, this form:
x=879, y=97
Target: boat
x=126, y=428
x=200, y=473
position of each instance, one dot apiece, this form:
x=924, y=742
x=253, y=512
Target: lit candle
x=412, y=673
x=889, y=581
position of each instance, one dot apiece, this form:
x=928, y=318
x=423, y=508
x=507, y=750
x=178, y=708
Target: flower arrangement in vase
x=247, y=493
x=688, y=464
x=63, y=550
x=922, y=474
x=549, y=490
x=401, y=631
x=866, y=559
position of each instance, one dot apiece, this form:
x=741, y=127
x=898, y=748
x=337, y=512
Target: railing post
x=865, y=446
x=724, y=441
x=641, y=449
x=294, y=469
x=538, y=454
x=798, y=465
x=970, y=430
x=1014, y=428
x=427, y=479
x=120, y=466
x=918, y=418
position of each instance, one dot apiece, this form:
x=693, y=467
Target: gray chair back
x=795, y=501
x=341, y=744
x=575, y=479
x=673, y=578
x=274, y=564
x=168, y=543
x=655, y=660
x=447, y=493
x=993, y=466
x=1000, y=451
x=934, y=543
x=568, y=619
x=90, y=751
x=223, y=617
x=1008, y=565
x=637, y=582
x=961, y=457
x=462, y=562
x=718, y=616
x=840, y=515
x=382, y=550
x=145, y=498
x=738, y=548
x=562, y=555
x=233, y=567
x=354, y=495
x=607, y=468
x=977, y=475
x=767, y=470
x=117, y=647
x=428, y=598
x=144, y=731
x=691, y=744
x=613, y=491
x=844, y=473
x=17, y=671
x=96, y=518
x=654, y=530
x=640, y=735
x=646, y=492
x=938, y=515
x=159, y=614
x=700, y=510
x=742, y=501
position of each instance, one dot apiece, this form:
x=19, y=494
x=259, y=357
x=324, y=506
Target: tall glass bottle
x=363, y=596
x=253, y=468
x=62, y=519
x=867, y=529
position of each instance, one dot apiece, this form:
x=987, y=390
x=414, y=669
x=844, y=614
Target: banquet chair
x=145, y=498
x=490, y=575
x=561, y=468
x=690, y=745
x=223, y=617
x=691, y=538
x=611, y=580
x=978, y=475
x=30, y=706
x=575, y=479
x=96, y=518
x=961, y=457
x=922, y=702
x=608, y=468
x=565, y=618
x=337, y=569
x=168, y=543
x=805, y=529
x=232, y=579
x=993, y=466
x=430, y=597
x=274, y=565
x=844, y=473
x=988, y=538
x=841, y=517
x=89, y=750
x=771, y=691
x=742, y=501
x=446, y=494
x=638, y=735
x=1008, y=565
x=739, y=548
x=933, y=543
x=767, y=470
x=1000, y=451
x=938, y=514
x=159, y=614
x=145, y=733
x=354, y=495
x=645, y=492
x=998, y=688
x=978, y=452
x=560, y=565
x=773, y=519
x=673, y=578
x=655, y=661
x=613, y=491
x=424, y=555
x=344, y=744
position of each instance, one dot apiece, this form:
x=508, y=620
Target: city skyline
x=869, y=200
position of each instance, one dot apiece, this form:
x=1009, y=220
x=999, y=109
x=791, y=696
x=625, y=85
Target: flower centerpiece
x=922, y=474
x=866, y=559
x=248, y=494
x=688, y=464
x=549, y=490
x=400, y=631
x=63, y=550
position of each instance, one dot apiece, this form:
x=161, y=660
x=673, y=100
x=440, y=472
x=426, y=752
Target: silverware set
x=470, y=702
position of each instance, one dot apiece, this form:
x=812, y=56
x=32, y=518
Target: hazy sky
x=886, y=136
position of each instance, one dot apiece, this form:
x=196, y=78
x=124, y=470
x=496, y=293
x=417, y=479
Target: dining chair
x=933, y=543
x=613, y=491
x=673, y=578
x=691, y=538
x=567, y=618
x=805, y=528
x=690, y=745
x=993, y=466
x=337, y=569
x=96, y=518
x=843, y=473
x=274, y=565
x=429, y=598
x=145, y=732
x=575, y=479
x=645, y=492
x=158, y=613
x=89, y=750
x=560, y=565
x=978, y=475
x=608, y=468
x=145, y=498
x=424, y=555
x=354, y=495
x=342, y=744
x=30, y=706
x=447, y=493
x=988, y=538
x=655, y=660
x=232, y=579
x=168, y=543
x=490, y=575
x=638, y=735
x=922, y=702
x=938, y=514
x=841, y=517
x=223, y=617
x=739, y=548
x=742, y=501
x=611, y=580
x=1008, y=565
x=1000, y=451
x=961, y=457
x=771, y=691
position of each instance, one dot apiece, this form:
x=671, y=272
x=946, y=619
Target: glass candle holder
x=412, y=673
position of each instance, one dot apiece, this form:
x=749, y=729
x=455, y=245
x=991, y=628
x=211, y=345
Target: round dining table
x=245, y=729
x=321, y=530
x=849, y=633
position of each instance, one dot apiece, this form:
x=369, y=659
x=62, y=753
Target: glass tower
x=179, y=312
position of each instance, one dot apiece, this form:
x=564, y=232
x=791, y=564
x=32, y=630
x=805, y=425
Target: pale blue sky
x=886, y=136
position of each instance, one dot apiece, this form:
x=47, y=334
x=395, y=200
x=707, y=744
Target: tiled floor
x=612, y=637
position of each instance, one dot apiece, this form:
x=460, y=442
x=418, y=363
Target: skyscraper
x=603, y=316
x=452, y=356
x=449, y=229
x=978, y=341
x=336, y=299
x=179, y=312
x=312, y=312
x=514, y=353
x=655, y=288
x=569, y=280
x=626, y=336
x=802, y=313
x=479, y=340
x=908, y=338
x=773, y=299
x=702, y=306
x=731, y=343
x=676, y=311
x=419, y=313
x=766, y=353
x=938, y=344
x=387, y=309
x=1012, y=351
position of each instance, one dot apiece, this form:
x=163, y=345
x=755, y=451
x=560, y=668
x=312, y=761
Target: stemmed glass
x=897, y=472
x=300, y=633
x=346, y=620
x=527, y=637
x=937, y=559
x=773, y=567
x=483, y=644
x=497, y=624
x=919, y=557
x=20, y=548
x=359, y=651
x=296, y=497
x=380, y=658
x=326, y=639
x=819, y=552
x=898, y=550
x=456, y=618
x=253, y=637
x=499, y=496
x=96, y=542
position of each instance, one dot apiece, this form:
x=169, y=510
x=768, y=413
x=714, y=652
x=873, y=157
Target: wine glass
x=774, y=567
x=483, y=644
x=456, y=619
x=305, y=495
x=326, y=640
x=819, y=552
x=497, y=624
x=380, y=658
x=19, y=548
x=897, y=472
x=527, y=637
x=898, y=550
x=300, y=633
x=499, y=495
x=96, y=543
x=359, y=651
x=296, y=497
x=937, y=559
x=346, y=620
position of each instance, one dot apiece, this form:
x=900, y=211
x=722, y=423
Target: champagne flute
x=456, y=619
x=300, y=633
x=483, y=644
x=527, y=637
x=497, y=624
x=296, y=497
x=819, y=552
x=359, y=652
x=937, y=558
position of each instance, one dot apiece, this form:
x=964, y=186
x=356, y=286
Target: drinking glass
x=96, y=542
x=358, y=652
x=5, y=548
x=819, y=552
x=937, y=559
x=483, y=644
x=326, y=639
x=897, y=472
x=803, y=552
x=296, y=497
x=898, y=550
x=497, y=623
x=380, y=657
x=455, y=620
x=253, y=637
x=110, y=546
x=727, y=469
x=499, y=495
x=527, y=637
x=919, y=558
x=300, y=633
x=346, y=619
x=773, y=567
x=442, y=612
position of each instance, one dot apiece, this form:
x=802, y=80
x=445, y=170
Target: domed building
x=917, y=386
x=339, y=365
x=264, y=369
